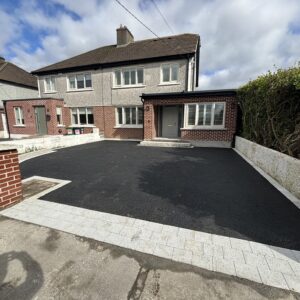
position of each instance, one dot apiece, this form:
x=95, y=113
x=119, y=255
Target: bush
x=270, y=108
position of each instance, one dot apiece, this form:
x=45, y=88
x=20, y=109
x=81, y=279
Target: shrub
x=270, y=108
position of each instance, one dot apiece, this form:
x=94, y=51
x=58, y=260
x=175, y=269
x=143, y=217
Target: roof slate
x=145, y=49
x=12, y=73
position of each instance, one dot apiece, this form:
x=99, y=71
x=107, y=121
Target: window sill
x=50, y=92
x=81, y=126
x=19, y=126
x=128, y=126
x=168, y=83
x=203, y=128
x=128, y=86
x=61, y=125
x=80, y=90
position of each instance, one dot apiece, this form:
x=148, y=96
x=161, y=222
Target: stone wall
x=283, y=168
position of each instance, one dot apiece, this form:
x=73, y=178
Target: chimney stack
x=124, y=36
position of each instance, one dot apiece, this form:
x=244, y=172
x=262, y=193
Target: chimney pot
x=124, y=36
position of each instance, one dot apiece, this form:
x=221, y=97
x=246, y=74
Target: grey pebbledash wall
x=283, y=168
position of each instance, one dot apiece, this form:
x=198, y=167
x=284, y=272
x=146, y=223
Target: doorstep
x=164, y=142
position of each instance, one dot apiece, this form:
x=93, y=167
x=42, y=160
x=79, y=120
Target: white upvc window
x=129, y=77
x=82, y=116
x=59, y=115
x=49, y=83
x=169, y=73
x=205, y=115
x=131, y=116
x=80, y=81
x=19, y=116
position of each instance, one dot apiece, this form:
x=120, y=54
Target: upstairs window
x=129, y=77
x=169, y=73
x=129, y=116
x=82, y=116
x=49, y=83
x=19, y=116
x=205, y=115
x=80, y=81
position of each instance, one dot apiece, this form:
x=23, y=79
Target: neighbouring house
x=15, y=83
x=130, y=90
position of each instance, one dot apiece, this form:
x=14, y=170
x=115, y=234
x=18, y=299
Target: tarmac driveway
x=205, y=189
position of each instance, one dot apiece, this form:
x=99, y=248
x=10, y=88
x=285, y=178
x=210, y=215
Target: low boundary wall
x=283, y=168
x=50, y=142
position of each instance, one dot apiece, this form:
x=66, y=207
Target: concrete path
x=33, y=154
x=273, y=266
x=41, y=263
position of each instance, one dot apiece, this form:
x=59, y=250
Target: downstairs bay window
x=82, y=116
x=205, y=115
x=129, y=116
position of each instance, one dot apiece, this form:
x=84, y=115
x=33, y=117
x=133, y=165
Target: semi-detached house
x=114, y=90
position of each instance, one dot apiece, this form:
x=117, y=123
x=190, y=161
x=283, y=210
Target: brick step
x=166, y=143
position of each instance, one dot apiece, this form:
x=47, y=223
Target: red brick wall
x=109, y=125
x=10, y=178
x=226, y=134
x=29, y=116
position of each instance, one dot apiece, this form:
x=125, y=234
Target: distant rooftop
x=15, y=75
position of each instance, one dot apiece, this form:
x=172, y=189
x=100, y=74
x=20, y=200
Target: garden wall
x=283, y=168
x=50, y=142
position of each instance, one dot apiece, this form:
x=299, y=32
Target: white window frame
x=61, y=123
x=122, y=70
x=124, y=125
x=196, y=126
x=170, y=67
x=78, y=118
x=52, y=84
x=19, y=115
x=84, y=80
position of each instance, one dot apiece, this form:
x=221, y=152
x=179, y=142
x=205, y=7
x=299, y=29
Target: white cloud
x=241, y=39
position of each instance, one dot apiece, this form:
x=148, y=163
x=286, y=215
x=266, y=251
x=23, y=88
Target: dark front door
x=40, y=120
x=170, y=121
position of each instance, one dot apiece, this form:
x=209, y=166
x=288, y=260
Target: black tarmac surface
x=206, y=189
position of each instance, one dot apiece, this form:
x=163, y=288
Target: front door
x=170, y=122
x=40, y=120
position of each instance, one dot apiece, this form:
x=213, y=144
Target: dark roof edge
x=223, y=92
x=112, y=64
x=34, y=99
x=20, y=84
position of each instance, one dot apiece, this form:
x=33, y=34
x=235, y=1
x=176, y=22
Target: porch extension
x=185, y=119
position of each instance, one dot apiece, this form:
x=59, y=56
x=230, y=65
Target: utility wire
x=164, y=18
x=136, y=18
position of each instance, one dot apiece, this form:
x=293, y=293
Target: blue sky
x=240, y=39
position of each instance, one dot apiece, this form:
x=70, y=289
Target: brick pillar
x=10, y=178
x=148, y=120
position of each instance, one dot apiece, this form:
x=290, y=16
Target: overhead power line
x=163, y=17
x=136, y=17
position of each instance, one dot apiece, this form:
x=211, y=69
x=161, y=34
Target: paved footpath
x=261, y=263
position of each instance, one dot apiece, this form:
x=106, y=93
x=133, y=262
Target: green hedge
x=270, y=108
